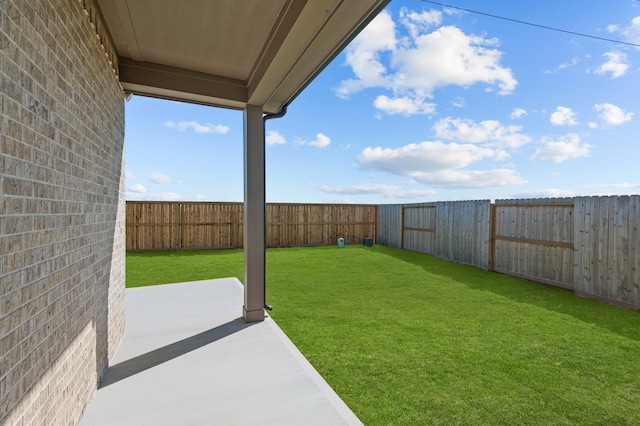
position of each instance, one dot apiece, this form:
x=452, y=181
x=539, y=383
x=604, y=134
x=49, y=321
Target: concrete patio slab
x=188, y=358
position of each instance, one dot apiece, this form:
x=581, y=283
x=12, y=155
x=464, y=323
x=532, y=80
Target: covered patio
x=189, y=358
x=206, y=352
x=254, y=55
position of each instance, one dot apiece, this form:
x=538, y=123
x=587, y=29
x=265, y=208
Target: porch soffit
x=230, y=53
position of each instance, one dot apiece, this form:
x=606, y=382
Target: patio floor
x=188, y=358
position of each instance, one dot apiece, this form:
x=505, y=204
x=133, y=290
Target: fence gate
x=419, y=228
x=533, y=240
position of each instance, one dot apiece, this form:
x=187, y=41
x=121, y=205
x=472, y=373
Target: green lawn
x=406, y=338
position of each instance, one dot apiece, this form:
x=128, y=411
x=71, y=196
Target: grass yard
x=409, y=339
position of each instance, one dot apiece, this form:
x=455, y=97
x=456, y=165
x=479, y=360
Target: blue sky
x=427, y=104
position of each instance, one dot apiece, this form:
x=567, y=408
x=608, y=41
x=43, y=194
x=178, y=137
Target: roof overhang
x=230, y=53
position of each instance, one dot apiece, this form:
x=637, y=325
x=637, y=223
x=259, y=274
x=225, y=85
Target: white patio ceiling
x=230, y=53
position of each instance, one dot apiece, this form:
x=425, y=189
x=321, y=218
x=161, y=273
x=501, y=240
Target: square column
x=254, y=215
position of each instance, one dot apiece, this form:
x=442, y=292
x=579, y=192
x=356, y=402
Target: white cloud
x=197, y=127
x=138, y=189
x=563, y=116
x=587, y=190
x=518, y=113
x=491, y=132
x=166, y=196
x=613, y=189
x=563, y=149
x=423, y=157
x=162, y=179
x=404, y=105
x=338, y=200
x=612, y=114
x=128, y=174
x=572, y=63
x=387, y=191
x=200, y=197
x=630, y=33
x=274, y=138
x=411, y=194
x=448, y=56
x=363, y=55
x=616, y=64
x=470, y=178
x=417, y=23
x=170, y=196
x=365, y=188
x=458, y=102
x=546, y=193
x=439, y=164
x=321, y=141
x=422, y=61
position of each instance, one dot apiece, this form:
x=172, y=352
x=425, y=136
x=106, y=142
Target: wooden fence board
x=583, y=213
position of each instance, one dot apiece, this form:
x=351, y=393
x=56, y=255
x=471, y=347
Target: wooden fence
x=456, y=230
x=196, y=225
x=588, y=244
x=607, y=248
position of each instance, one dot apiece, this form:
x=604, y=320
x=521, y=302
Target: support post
x=254, y=215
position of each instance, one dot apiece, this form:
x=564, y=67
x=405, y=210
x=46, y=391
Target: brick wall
x=61, y=209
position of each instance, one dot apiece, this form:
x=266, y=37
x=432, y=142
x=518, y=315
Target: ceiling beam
x=162, y=81
x=321, y=31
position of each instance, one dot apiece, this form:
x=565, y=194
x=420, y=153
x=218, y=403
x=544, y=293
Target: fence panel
x=290, y=225
x=533, y=239
x=153, y=225
x=607, y=233
x=204, y=225
x=419, y=228
x=354, y=222
x=389, y=225
x=277, y=225
x=455, y=230
x=462, y=231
